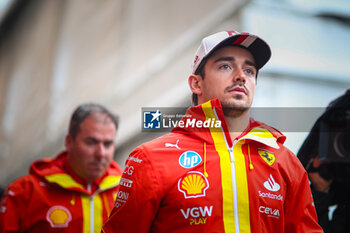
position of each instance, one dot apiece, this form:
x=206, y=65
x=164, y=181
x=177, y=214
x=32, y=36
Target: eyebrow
x=95, y=140
x=247, y=62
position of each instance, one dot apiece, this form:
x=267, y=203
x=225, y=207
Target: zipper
x=92, y=210
x=234, y=186
x=233, y=177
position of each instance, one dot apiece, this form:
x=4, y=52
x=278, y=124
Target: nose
x=239, y=76
x=100, y=150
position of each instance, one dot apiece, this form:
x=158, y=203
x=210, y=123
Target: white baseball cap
x=257, y=47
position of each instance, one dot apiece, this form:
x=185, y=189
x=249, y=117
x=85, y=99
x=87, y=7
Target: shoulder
x=23, y=186
x=160, y=156
x=289, y=163
x=114, y=169
x=162, y=146
x=275, y=132
x=162, y=142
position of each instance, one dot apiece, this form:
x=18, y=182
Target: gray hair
x=85, y=110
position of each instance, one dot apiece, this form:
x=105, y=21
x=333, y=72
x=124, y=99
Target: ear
x=68, y=141
x=195, y=83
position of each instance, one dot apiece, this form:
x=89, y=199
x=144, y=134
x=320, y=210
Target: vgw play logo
x=151, y=119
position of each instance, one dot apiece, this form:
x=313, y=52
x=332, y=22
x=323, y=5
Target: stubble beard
x=231, y=107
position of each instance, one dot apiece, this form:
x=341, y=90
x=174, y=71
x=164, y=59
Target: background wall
x=129, y=54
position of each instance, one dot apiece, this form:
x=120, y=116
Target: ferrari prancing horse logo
x=267, y=156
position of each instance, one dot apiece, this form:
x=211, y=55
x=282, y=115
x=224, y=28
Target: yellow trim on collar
x=109, y=181
x=263, y=136
x=64, y=180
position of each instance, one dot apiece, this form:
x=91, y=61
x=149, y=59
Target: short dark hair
x=85, y=110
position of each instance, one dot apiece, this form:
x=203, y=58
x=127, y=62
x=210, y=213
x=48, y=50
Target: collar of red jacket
x=203, y=120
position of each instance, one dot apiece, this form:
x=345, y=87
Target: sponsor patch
x=270, y=212
x=123, y=196
x=128, y=170
x=193, y=185
x=135, y=159
x=278, y=197
x=126, y=182
x=58, y=216
x=267, y=156
x=189, y=159
x=168, y=144
x=271, y=184
x=197, y=215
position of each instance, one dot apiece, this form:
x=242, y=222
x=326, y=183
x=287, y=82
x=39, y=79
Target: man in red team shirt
x=230, y=175
x=73, y=192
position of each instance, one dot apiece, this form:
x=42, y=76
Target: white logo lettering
x=209, y=123
x=126, y=182
x=196, y=212
x=137, y=160
x=123, y=195
x=189, y=159
x=271, y=196
x=269, y=211
x=128, y=170
x=173, y=145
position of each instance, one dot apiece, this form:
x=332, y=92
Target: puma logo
x=167, y=144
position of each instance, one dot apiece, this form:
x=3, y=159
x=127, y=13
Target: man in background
x=73, y=192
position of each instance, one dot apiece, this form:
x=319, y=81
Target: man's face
x=230, y=76
x=91, y=152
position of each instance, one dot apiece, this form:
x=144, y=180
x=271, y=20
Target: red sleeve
x=13, y=205
x=138, y=197
x=300, y=213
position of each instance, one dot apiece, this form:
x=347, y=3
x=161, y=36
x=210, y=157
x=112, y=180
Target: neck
x=237, y=122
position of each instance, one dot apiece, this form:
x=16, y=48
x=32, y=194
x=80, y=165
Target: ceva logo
x=269, y=211
x=189, y=159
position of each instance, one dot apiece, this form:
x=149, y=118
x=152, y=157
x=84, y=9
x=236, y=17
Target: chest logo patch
x=267, y=156
x=58, y=216
x=271, y=184
x=189, y=159
x=193, y=185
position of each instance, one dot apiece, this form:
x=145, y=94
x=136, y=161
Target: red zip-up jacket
x=200, y=180
x=53, y=199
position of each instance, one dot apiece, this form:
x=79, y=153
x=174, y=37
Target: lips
x=97, y=165
x=239, y=89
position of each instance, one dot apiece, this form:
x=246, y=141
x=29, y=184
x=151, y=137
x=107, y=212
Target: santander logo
x=271, y=184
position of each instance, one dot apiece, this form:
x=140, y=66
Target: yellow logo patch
x=58, y=216
x=267, y=156
x=193, y=184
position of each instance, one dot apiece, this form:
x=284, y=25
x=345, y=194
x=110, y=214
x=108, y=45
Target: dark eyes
x=93, y=142
x=225, y=67
x=108, y=144
x=250, y=71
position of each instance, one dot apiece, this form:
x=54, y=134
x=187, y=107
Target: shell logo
x=194, y=184
x=58, y=216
